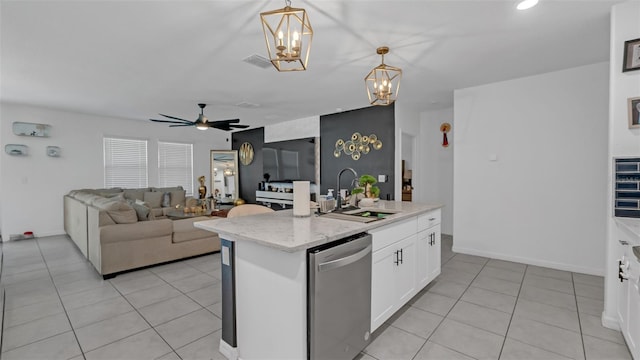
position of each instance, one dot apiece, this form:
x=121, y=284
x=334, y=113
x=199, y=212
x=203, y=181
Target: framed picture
x=631, y=55
x=634, y=112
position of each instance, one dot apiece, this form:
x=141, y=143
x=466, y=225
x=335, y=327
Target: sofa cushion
x=108, y=191
x=120, y=211
x=158, y=212
x=167, y=189
x=183, y=230
x=178, y=197
x=111, y=197
x=131, y=194
x=153, y=199
x=131, y=232
x=86, y=197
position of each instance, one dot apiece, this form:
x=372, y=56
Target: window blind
x=125, y=163
x=175, y=165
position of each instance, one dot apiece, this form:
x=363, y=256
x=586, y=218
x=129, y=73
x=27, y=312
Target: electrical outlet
x=382, y=178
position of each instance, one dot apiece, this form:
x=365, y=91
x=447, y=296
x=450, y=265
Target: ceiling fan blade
x=180, y=125
x=230, y=121
x=175, y=118
x=239, y=126
x=222, y=127
x=171, y=121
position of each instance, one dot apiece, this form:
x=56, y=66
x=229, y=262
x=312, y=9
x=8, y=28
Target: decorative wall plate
x=31, y=129
x=357, y=146
x=53, y=151
x=246, y=153
x=16, y=149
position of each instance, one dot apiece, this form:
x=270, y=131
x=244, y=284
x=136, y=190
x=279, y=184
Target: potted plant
x=366, y=186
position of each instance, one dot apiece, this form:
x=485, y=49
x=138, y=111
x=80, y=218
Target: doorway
x=408, y=169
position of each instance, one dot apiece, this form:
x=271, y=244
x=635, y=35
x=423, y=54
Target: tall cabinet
x=629, y=283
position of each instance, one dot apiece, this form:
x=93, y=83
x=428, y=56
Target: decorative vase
x=366, y=202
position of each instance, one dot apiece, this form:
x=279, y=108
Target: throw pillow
x=153, y=199
x=151, y=215
x=166, y=199
x=141, y=211
x=178, y=198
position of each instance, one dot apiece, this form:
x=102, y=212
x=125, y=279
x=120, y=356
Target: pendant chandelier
x=288, y=35
x=383, y=82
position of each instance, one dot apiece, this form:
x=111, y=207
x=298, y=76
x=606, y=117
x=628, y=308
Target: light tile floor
x=57, y=307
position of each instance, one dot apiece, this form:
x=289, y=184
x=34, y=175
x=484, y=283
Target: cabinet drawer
x=429, y=219
x=387, y=235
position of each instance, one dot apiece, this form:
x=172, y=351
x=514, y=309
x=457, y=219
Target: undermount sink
x=363, y=215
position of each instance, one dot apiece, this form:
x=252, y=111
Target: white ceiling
x=134, y=59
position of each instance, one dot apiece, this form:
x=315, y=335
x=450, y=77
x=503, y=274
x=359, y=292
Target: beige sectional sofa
x=123, y=229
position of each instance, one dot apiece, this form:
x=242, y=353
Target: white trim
x=529, y=261
x=610, y=322
x=228, y=351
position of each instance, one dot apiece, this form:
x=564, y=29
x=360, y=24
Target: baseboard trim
x=610, y=322
x=529, y=261
x=228, y=351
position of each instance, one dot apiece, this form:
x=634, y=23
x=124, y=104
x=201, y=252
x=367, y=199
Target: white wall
x=541, y=202
x=625, y=25
x=33, y=186
x=436, y=164
x=293, y=129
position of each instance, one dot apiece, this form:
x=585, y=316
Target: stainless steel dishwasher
x=339, y=298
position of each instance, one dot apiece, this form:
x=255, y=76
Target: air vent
x=258, y=60
x=247, y=105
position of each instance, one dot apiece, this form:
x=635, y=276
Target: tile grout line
x=454, y=305
x=575, y=297
x=145, y=320
x=64, y=308
x=153, y=327
x=514, y=311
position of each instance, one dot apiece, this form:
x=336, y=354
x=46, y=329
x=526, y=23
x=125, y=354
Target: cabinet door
x=633, y=309
x=422, y=258
x=623, y=294
x=435, y=247
x=405, y=276
x=383, y=275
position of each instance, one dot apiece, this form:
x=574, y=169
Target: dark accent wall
x=249, y=175
x=379, y=120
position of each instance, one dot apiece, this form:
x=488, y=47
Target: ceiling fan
x=202, y=123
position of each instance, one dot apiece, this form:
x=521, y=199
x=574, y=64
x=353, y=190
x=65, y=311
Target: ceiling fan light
x=202, y=127
x=526, y=4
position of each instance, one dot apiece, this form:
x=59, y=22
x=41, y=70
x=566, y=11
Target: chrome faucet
x=338, y=198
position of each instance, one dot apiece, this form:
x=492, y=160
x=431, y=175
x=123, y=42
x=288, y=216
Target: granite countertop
x=283, y=231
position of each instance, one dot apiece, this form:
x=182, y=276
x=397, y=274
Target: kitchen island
x=265, y=281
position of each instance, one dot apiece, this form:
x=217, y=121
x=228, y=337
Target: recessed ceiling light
x=526, y=4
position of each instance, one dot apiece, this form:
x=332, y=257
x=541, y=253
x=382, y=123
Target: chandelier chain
x=287, y=3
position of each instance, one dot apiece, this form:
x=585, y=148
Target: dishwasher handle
x=344, y=261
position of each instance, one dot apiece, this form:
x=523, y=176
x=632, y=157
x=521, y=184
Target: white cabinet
x=435, y=247
x=406, y=257
x=629, y=292
x=428, y=247
x=392, y=279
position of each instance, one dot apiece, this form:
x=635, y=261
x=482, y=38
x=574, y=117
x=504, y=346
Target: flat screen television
x=291, y=160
